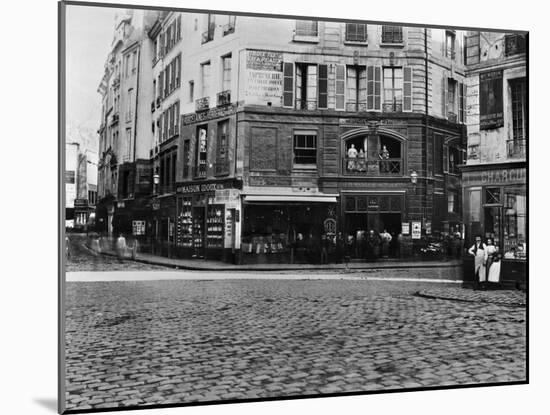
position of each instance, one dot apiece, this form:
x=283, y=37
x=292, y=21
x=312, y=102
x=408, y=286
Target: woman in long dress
x=479, y=252
x=494, y=271
x=491, y=250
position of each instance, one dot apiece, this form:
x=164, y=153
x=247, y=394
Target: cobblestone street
x=160, y=342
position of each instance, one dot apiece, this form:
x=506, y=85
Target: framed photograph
x=260, y=207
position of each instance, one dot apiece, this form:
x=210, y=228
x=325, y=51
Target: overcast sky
x=89, y=32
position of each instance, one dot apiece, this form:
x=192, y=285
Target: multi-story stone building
x=494, y=177
x=263, y=129
x=125, y=140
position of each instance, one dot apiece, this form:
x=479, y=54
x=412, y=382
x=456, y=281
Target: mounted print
x=260, y=207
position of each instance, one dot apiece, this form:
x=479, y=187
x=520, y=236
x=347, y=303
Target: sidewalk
x=211, y=265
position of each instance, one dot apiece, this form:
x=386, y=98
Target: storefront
x=286, y=227
x=206, y=220
x=495, y=206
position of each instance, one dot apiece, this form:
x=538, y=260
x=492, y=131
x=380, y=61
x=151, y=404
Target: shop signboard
x=495, y=176
x=405, y=228
x=264, y=75
x=138, y=227
x=491, y=114
x=416, y=230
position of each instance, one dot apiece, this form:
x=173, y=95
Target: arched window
x=373, y=155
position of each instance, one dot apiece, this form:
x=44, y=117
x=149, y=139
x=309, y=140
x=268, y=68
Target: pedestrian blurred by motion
x=349, y=249
x=67, y=248
x=340, y=248
x=324, y=249
x=386, y=238
x=121, y=247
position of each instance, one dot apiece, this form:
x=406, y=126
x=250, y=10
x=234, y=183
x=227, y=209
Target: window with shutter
x=300, y=98
x=323, y=86
x=340, y=86
x=407, y=88
x=362, y=89
x=288, y=85
x=461, y=104
x=444, y=86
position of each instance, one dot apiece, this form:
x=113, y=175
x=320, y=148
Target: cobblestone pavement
x=82, y=259
x=514, y=298
x=160, y=342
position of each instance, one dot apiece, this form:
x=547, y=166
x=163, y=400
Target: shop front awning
x=291, y=198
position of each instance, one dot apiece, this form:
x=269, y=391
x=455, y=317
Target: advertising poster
x=416, y=230
x=490, y=100
x=405, y=228
x=264, y=76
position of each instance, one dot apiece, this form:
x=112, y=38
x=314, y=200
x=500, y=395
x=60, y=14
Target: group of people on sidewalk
x=487, y=262
x=341, y=248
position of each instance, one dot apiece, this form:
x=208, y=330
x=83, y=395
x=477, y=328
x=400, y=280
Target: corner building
x=495, y=173
x=271, y=109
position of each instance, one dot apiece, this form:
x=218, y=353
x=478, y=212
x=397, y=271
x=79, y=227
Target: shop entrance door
x=493, y=223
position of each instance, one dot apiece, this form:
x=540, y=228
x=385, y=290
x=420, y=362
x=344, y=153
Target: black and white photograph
x=262, y=207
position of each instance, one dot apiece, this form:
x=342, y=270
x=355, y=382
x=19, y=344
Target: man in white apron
x=479, y=251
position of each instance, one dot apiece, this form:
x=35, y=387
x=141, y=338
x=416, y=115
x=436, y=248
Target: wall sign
x=491, y=114
x=416, y=230
x=264, y=78
x=498, y=176
x=405, y=228
x=330, y=226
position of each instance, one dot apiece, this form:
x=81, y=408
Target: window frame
x=357, y=38
x=305, y=148
x=395, y=40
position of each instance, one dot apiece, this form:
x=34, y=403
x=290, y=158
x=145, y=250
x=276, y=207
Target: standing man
x=479, y=251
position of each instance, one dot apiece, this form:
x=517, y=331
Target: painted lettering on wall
x=500, y=176
x=264, y=75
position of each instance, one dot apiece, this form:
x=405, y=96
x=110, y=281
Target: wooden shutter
x=460, y=102
x=340, y=87
x=161, y=85
x=298, y=81
x=323, y=86
x=362, y=93
x=178, y=70
x=374, y=87
x=351, y=89
x=444, y=92
x=288, y=85
x=407, y=88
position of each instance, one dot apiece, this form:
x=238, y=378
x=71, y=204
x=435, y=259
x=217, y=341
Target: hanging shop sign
x=330, y=226
x=416, y=230
x=405, y=228
x=491, y=114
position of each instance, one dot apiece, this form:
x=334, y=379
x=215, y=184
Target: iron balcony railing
x=224, y=98
x=202, y=104
x=364, y=167
x=228, y=28
x=306, y=104
x=200, y=171
x=516, y=148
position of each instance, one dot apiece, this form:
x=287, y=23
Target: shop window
x=515, y=220
x=392, y=34
x=306, y=28
x=474, y=207
x=305, y=148
x=492, y=195
x=356, y=32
